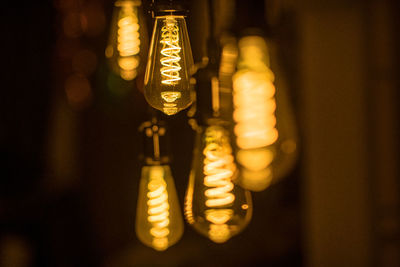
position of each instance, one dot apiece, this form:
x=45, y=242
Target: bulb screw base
x=155, y=150
x=169, y=7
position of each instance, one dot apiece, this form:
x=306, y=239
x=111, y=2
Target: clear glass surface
x=167, y=78
x=159, y=222
x=214, y=205
x=127, y=39
x=266, y=136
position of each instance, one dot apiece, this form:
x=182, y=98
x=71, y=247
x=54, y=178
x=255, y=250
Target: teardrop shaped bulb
x=159, y=222
x=266, y=136
x=167, y=78
x=214, y=205
x=127, y=39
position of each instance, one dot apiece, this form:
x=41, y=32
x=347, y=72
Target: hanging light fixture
x=159, y=222
x=214, y=205
x=245, y=135
x=167, y=78
x=127, y=40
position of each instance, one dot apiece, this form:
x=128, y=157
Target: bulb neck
x=155, y=145
x=169, y=8
x=207, y=86
x=205, y=99
x=249, y=17
x=121, y=3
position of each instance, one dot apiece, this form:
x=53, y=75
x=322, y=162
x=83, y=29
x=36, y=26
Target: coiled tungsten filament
x=254, y=110
x=158, y=210
x=167, y=85
x=219, y=168
x=214, y=205
x=170, y=51
x=128, y=39
x=218, y=171
x=128, y=34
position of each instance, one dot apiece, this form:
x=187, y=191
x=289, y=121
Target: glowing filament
x=170, y=52
x=158, y=209
x=128, y=41
x=254, y=110
x=218, y=172
x=219, y=169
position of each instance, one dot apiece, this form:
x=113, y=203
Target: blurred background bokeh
x=69, y=140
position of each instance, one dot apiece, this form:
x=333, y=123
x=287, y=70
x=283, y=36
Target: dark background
x=69, y=143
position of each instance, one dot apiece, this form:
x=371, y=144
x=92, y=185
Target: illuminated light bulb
x=214, y=205
x=159, y=222
x=167, y=78
x=266, y=137
x=126, y=40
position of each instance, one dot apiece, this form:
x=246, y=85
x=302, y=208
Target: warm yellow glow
x=128, y=34
x=158, y=210
x=170, y=51
x=256, y=159
x=159, y=222
x=218, y=216
x=219, y=168
x=214, y=205
x=254, y=113
x=189, y=200
x=215, y=95
x=170, y=63
x=128, y=41
x=256, y=180
x=219, y=233
x=124, y=48
x=167, y=78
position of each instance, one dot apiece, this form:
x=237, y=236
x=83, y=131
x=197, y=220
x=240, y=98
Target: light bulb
x=266, y=136
x=214, y=205
x=166, y=84
x=126, y=39
x=159, y=222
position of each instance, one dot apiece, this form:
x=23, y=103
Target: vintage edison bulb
x=167, y=78
x=214, y=205
x=159, y=222
x=266, y=136
x=126, y=40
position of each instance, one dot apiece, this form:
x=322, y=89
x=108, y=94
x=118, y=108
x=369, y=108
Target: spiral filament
x=158, y=208
x=167, y=85
x=218, y=172
x=219, y=168
x=254, y=110
x=128, y=39
x=170, y=52
x=254, y=113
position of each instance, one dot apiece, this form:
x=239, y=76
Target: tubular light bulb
x=264, y=128
x=159, y=222
x=166, y=85
x=123, y=50
x=214, y=205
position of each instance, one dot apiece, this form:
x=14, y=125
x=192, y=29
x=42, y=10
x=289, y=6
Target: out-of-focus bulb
x=159, y=222
x=214, y=205
x=265, y=133
x=166, y=85
x=123, y=50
